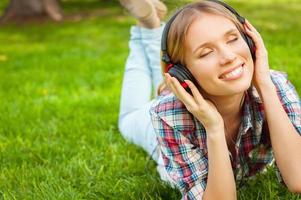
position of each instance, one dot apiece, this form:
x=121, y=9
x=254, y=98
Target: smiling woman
x=223, y=115
x=230, y=84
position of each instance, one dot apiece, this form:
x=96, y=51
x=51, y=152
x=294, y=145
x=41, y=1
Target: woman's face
x=217, y=56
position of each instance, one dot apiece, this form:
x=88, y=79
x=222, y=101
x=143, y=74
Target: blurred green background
x=60, y=86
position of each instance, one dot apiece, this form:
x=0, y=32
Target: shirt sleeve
x=185, y=163
x=289, y=98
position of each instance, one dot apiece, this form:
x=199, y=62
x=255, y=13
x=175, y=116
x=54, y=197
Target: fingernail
x=186, y=81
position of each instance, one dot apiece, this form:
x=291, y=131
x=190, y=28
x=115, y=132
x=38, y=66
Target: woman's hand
x=204, y=110
x=261, y=66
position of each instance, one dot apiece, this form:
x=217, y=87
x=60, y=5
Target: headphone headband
x=165, y=56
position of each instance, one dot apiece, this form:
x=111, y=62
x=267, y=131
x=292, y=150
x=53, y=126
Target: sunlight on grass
x=59, y=91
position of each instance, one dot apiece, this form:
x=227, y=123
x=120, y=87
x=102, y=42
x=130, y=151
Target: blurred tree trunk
x=18, y=9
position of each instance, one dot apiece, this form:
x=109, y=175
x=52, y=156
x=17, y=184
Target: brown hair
x=178, y=30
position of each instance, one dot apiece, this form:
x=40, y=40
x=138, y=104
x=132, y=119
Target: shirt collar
x=252, y=116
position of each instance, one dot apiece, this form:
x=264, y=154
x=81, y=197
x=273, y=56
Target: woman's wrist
x=215, y=133
x=266, y=88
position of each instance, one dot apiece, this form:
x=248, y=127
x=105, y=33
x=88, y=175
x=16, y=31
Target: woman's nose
x=227, y=56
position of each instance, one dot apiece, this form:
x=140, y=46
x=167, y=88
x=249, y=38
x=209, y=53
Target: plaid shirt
x=182, y=138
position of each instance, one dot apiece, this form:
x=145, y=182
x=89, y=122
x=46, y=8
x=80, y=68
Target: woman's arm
x=286, y=142
x=220, y=182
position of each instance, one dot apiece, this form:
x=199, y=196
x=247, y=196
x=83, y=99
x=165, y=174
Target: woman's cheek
x=245, y=50
x=204, y=68
x=251, y=68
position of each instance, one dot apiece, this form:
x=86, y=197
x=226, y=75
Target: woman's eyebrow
x=233, y=30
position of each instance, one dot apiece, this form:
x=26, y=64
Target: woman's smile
x=233, y=74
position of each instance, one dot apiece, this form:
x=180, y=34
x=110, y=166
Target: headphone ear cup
x=251, y=45
x=178, y=73
x=181, y=73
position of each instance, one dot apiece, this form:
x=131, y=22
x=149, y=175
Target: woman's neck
x=230, y=107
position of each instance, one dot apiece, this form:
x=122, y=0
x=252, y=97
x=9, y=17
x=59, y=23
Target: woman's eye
x=233, y=40
x=205, y=54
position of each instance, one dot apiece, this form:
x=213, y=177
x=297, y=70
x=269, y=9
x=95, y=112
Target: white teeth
x=233, y=73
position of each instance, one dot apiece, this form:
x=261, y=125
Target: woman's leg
x=134, y=119
x=149, y=14
x=151, y=40
x=141, y=72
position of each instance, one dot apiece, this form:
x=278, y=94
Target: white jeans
x=141, y=79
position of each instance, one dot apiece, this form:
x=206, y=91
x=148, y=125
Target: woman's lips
x=234, y=74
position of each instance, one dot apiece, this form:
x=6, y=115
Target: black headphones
x=180, y=71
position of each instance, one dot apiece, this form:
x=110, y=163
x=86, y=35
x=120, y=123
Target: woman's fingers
x=252, y=28
x=169, y=84
x=178, y=90
x=253, y=36
x=252, y=31
x=192, y=102
x=195, y=92
x=256, y=37
x=206, y=113
x=182, y=93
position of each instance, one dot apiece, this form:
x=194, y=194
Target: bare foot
x=144, y=11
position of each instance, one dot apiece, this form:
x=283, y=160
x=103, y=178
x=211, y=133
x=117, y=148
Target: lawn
x=59, y=99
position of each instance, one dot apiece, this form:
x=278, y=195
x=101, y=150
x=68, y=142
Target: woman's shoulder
x=278, y=76
x=167, y=101
x=283, y=85
x=171, y=110
x=285, y=89
x=167, y=104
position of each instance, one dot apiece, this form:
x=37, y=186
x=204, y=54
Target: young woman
x=235, y=117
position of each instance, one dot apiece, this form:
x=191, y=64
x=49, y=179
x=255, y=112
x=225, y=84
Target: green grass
x=59, y=99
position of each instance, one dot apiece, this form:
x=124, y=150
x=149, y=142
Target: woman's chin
x=232, y=89
x=242, y=87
